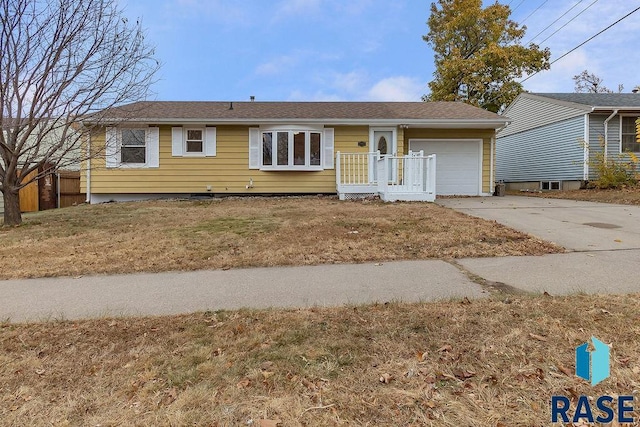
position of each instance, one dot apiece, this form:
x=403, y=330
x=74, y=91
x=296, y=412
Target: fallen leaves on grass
x=441, y=364
x=624, y=196
x=247, y=232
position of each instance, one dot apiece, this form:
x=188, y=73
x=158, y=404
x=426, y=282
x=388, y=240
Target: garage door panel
x=457, y=165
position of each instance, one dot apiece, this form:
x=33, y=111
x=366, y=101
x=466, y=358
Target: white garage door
x=458, y=164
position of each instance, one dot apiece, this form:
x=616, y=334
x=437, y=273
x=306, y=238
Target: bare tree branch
x=64, y=65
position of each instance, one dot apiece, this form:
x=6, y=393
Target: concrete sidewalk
x=184, y=292
x=594, y=272
x=606, y=238
x=324, y=285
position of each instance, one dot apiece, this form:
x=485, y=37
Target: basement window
x=550, y=185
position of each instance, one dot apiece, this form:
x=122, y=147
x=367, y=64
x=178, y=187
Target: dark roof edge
x=541, y=97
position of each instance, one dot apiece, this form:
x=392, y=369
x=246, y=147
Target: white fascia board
x=619, y=109
x=431, y=123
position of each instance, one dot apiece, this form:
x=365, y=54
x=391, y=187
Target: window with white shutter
x=296, y=148
x=135, y=147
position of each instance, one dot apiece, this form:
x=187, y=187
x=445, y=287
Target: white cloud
x=358, y=86
x=398, y=88
x=319, y=96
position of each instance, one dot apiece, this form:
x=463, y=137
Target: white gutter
x=597, y=108
x=88, y=199
x=606, y=133
x=428, y=123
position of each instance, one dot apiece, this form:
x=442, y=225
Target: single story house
x=552, y=137
x=157, y=149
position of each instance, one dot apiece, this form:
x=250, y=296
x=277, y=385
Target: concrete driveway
x=575, y=225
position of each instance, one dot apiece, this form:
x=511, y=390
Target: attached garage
x=458, y=164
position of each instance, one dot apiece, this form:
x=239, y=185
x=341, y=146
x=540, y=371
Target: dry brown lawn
x=246, y=232
x=495, y=362
x=624, y=196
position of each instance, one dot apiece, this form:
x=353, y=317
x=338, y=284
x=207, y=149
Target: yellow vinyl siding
x=484, y=134
x=227, y=172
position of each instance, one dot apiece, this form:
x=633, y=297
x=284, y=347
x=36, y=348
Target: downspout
x=606, y=134
x=492, y=179
x=587, y=150
x=58, y=189
x=88, y=200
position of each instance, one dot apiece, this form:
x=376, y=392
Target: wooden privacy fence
x=55, y=190
x=29, y=200
x=69, y=189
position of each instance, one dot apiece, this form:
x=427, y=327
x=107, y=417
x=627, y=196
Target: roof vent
x=252, y=98
x=231, y=105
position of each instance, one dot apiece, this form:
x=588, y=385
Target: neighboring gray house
x=544, y=146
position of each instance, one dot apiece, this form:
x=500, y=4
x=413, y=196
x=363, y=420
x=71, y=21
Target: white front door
x=384, y=141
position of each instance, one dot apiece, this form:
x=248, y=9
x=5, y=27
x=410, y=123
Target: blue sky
x=356, y=50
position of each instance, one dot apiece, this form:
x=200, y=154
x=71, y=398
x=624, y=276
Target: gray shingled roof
x=150, y=110
x=597, y=99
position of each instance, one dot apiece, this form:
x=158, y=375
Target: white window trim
x=117, y=153
x=185, y=132
x=290, y=166
x=620, y=133
x=550, y=184
x=146, y=147
x=179, y=140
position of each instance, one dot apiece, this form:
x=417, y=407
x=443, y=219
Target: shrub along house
x=176, y=149
x=554, y=137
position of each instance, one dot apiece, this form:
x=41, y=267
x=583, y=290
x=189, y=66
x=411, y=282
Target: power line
x=550, y=25
x=585, y=42
x=537, y=9
x=569, y=21
x=515, y=8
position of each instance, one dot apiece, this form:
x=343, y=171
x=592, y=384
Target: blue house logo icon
x=593, y=365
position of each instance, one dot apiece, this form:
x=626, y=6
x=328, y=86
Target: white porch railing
x=356, y=174
x=415, y=177
x=410, y=177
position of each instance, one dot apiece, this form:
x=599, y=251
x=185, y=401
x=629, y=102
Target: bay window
x=295, y=149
